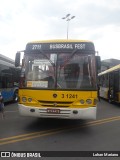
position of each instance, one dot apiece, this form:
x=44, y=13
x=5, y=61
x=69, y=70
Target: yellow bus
x=109, y=82
x=58, y=79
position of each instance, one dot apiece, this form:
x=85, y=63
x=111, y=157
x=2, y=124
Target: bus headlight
x=29, y=99
x=82, y=101
x=24, y=99
x=89, y=101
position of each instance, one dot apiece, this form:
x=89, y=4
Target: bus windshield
x=60, y=71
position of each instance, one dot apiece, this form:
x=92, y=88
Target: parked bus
x=58, y=79
x=109, y=82
x=9, y=78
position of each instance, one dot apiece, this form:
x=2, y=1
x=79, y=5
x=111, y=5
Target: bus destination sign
x=60, y=46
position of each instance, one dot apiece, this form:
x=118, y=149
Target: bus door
x=113, y=86
x=116, y=85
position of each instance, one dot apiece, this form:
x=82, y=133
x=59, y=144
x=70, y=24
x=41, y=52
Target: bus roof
x=59, y=41
x=117, y=67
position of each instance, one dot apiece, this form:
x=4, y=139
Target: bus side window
x=0, y=82
x=4, y=83
x=9, y=81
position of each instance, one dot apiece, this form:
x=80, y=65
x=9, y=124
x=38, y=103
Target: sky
x=22, y=21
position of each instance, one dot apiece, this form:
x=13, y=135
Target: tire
x=15, y=97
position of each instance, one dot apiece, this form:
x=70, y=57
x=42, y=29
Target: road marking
x=29, y=136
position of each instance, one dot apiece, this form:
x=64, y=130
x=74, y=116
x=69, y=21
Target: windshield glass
x=60, y=71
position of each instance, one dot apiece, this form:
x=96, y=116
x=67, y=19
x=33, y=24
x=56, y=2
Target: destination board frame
x=61, y=46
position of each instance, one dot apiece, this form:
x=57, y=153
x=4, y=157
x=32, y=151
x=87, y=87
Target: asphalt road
x=33, y=134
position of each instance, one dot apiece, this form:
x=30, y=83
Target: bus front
x=58, y=80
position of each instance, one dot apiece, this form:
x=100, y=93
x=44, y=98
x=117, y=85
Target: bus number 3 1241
x=69, y=96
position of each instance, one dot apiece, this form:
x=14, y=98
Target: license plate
x=55, y=111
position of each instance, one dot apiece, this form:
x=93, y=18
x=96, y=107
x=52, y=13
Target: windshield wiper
x=53, y=64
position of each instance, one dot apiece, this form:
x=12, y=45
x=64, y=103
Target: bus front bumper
x=64, y=113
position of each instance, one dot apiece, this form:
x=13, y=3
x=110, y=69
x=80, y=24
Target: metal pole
x=68, y=19
x=67, y=28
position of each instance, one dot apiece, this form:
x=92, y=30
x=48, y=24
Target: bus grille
x=55, y=104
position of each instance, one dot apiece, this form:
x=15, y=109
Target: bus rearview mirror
x=98, y=62
x=17, y=59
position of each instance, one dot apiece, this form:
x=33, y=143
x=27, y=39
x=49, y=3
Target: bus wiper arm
x=53, y=64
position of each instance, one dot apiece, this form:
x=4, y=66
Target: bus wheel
x=15, y=97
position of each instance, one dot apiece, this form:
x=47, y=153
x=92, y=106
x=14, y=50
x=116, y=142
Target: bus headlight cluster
x=88, y=101
x=24, y=99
